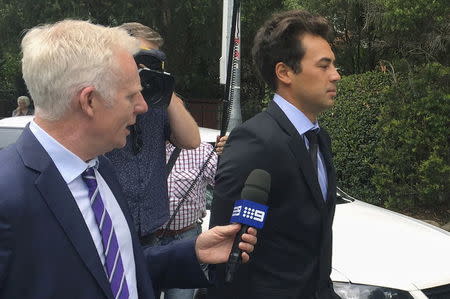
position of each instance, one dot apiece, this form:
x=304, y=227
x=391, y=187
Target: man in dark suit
x=293, y=255
x=65, y=230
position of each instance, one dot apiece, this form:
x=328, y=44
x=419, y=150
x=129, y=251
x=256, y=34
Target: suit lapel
x=60, y=201
x=298, y=148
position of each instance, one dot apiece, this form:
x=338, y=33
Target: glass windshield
x=9, y=135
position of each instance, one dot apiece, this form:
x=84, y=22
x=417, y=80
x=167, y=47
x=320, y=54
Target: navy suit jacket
x=292, y=259
x=46, y=250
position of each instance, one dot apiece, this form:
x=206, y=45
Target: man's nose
x=335, y=76
x=141, y=106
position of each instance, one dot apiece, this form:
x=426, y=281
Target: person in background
x=193, y=171
x=292, y=260
x=141, y=164
x=23, y=107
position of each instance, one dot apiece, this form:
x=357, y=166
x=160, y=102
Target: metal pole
x=227, y=94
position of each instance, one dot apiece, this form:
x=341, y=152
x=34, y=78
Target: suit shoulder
x=247, y=147
x=14, y=181
x=10, y=162
x=262, y=118
x=262, y=126
x=106, y=167
x=105, y=161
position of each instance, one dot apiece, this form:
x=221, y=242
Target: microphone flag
x=249, y=213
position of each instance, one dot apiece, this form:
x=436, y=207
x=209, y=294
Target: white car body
x=16, y=121
x=19, y=122
x=372, y=246
x=375, y=246
x=11, y=128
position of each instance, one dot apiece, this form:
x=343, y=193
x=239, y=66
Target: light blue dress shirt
x=302, y=124
x=71, y=167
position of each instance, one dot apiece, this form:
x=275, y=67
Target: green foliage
x=253, y=15
x=353, y=29
x=412, y=165
x=390, y=135
x=9, y=69
x=366, y=32
x=369, y=30
x=418, y=29
x=352, y=126
x=191, y=30
x=11, y=83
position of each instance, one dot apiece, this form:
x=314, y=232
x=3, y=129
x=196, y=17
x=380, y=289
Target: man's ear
x=87, y=100
x=283, y=73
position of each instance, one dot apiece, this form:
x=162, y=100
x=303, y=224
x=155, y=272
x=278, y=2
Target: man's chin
x=330, y=102
x=327, y=104
x=120, y=144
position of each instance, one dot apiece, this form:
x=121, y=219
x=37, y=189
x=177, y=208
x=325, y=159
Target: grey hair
x=61, y=59
x=138, y=30
x=25, y=99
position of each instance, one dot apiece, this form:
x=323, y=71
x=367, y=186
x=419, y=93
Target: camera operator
x=141, y=164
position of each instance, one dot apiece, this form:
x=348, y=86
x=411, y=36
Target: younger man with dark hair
x=293, y=257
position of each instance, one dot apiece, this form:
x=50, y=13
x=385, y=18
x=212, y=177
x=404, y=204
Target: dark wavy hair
x=279, y=40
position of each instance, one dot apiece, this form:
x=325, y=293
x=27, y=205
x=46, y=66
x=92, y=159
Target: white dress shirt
x=302, y=124
x=71, y=167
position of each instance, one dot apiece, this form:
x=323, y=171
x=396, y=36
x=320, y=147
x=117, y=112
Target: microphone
x=250, y=211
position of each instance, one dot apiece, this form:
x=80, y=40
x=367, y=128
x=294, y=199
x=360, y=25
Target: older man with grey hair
x=65, y=229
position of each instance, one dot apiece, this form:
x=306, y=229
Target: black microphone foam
x=257, y=186
x=256, y=189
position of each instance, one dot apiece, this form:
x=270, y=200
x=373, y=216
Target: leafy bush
x=412, y=159
x=390, y=137
x=352, y=126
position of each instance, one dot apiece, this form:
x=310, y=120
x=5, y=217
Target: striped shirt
x=183, y=174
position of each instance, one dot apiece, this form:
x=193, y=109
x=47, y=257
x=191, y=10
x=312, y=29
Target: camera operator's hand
x=185, y=133
x=220, y=143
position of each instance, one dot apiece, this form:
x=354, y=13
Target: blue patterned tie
x=313, y=147
x=113, y=260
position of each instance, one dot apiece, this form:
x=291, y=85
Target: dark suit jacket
x=292, y=258
x=46, y=250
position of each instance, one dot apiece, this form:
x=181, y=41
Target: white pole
x=226, y=30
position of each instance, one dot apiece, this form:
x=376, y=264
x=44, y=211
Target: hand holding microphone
x=250, y=211
x=213, y=245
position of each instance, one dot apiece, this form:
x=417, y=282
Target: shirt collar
x=68, y=164
x=301, y=123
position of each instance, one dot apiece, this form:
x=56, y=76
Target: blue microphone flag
x=250, y=213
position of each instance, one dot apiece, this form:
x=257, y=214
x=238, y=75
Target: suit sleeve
x=175, y=266
x=244, y=152
x=6, y=235
x=5, y=247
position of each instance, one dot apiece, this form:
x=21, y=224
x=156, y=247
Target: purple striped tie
x=113, y=260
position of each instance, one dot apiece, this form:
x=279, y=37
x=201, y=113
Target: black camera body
x=157, y=85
